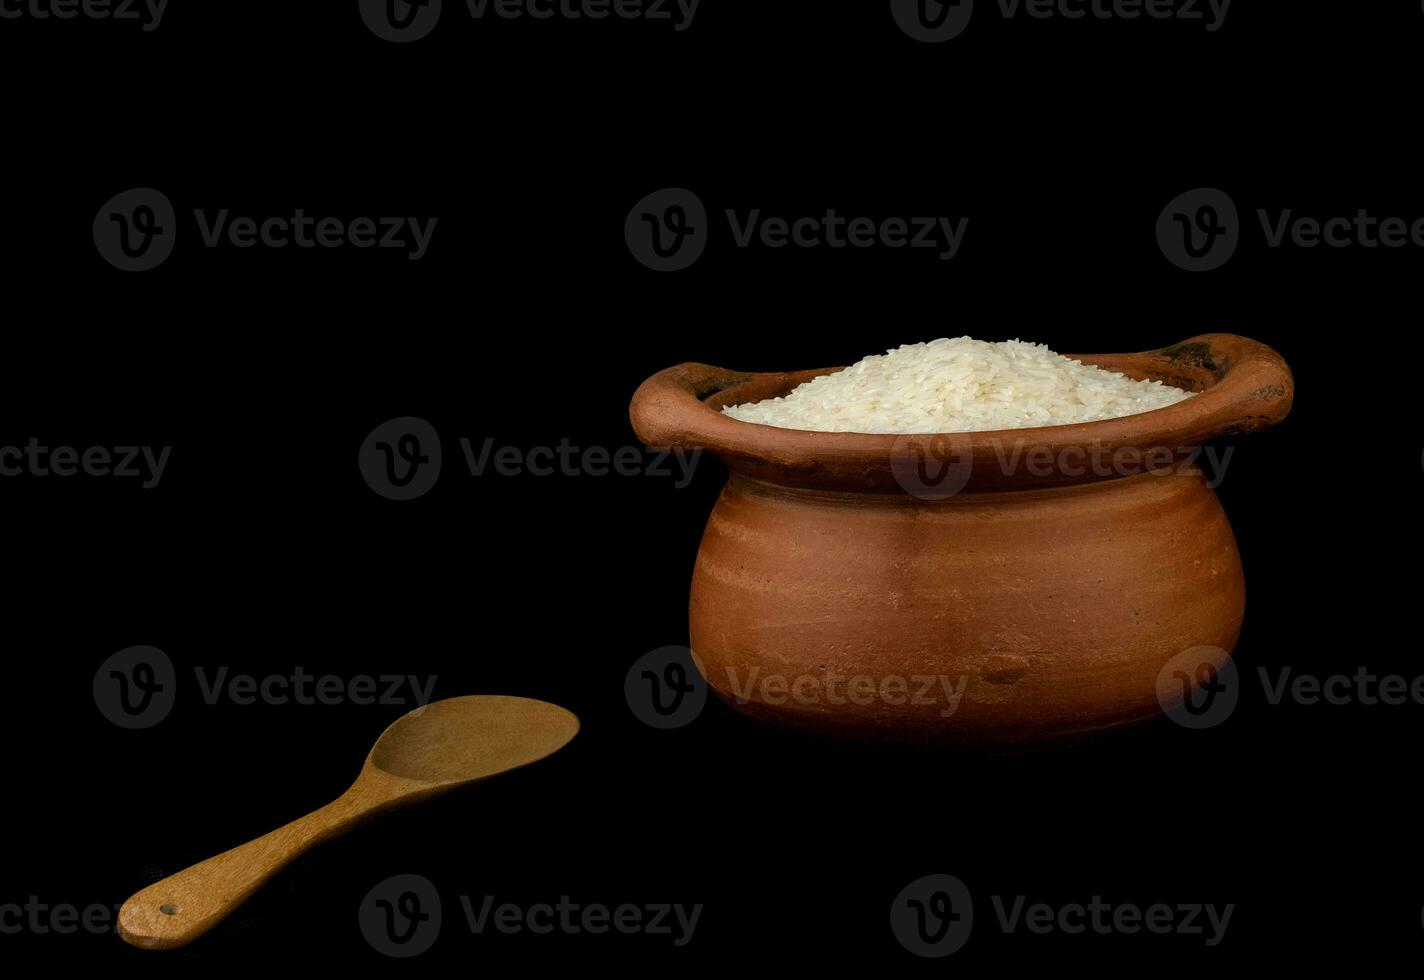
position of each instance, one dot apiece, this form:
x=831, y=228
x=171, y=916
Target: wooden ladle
x=432, y=749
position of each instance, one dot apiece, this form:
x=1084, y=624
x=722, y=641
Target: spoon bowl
x=433, y=744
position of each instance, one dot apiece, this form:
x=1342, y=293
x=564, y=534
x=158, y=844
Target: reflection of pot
x=851, y=583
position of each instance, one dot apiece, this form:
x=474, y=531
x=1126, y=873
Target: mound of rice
x=959, y=385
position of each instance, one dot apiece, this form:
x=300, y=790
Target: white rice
x=959, y=385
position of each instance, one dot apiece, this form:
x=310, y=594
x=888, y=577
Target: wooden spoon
x=428, y=751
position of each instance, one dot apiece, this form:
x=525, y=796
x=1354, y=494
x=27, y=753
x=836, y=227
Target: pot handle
x=1254, y=387
x=667, y=410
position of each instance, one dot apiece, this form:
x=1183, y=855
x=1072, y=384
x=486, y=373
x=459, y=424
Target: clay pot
x=1000, y=586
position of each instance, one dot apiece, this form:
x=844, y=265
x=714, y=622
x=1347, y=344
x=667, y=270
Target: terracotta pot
x=980, y=587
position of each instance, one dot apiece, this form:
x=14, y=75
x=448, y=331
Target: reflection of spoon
x=428, y=751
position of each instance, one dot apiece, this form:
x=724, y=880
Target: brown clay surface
x=1048, y=611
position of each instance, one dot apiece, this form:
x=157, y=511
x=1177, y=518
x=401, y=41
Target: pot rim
x=1241, y=386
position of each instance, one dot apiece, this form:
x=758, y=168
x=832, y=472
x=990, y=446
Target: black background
x=529, y=322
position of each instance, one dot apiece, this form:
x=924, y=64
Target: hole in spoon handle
x=180, y=908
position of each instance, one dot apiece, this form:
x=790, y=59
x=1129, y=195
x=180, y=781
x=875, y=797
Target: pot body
x=984, y=617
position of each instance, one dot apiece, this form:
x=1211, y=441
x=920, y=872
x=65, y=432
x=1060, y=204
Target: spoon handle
x=182, y=907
